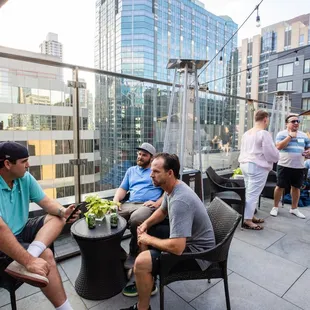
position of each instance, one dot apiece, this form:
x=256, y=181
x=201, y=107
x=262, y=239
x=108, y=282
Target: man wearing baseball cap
x=144, y=197
x=24, y=252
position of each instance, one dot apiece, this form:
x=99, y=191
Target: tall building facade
x=255, y=54
x=138, y=37
x=36, y=111
x=51, y=46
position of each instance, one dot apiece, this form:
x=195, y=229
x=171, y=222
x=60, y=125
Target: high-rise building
x=138, y=38
x=255, y=54
x=36, y=111
x=51, y=46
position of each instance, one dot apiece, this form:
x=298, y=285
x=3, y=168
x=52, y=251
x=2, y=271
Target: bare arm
x=119, y=195
x=283, y=144
x=11, y=247
x=158, y=216
x=173, y=245
x=55, y=208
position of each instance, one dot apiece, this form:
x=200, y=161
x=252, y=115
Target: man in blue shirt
x=24, y=252
x=144, y=197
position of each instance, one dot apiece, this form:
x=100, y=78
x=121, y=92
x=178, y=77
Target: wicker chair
x=11, y=284
x=225, y=221
x=231, y=191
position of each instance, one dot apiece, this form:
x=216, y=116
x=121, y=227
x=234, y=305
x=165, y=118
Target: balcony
x=77, y=132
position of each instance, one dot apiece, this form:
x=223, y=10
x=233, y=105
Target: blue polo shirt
x=138, y=182
x=14, y=203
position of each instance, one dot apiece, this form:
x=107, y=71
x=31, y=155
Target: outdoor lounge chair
x=231, y=191
x=225, y=221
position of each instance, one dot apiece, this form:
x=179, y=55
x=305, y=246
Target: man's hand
x=144, y=239
x=151, y=204
x=68, y=211
x=39, y=266
x=141, y=229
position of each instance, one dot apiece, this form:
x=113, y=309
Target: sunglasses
x=295, y=121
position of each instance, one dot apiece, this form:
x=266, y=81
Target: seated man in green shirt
x=24, y=252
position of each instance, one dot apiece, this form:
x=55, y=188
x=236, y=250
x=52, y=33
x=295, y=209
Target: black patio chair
x=225, y=221
x=11, y=284
x=231, y=191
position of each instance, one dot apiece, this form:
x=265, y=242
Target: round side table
x=102, y=274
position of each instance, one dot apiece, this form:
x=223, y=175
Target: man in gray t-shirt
x=189, y=230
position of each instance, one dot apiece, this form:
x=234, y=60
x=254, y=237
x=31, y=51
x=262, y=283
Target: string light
x=267, y=62
x=257, y=18
x=208, y=64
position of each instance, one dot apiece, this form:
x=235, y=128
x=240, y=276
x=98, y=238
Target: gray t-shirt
x=189, y=219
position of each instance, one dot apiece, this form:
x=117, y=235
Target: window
x=285, y=70
x=306, y=86
x=307, y=66
x=285, y=86
x=36, y=172
x=301, y=40
x=305, y=104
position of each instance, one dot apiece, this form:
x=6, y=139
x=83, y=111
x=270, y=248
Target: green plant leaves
x=98, y=206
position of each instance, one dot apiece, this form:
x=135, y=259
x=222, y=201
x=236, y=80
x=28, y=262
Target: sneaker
x=274, y=211
x=134, y=307
x=131, y=290
x=20, y=272
x=297, y=213
x=129, y=262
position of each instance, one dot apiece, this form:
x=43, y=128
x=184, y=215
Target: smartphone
x=77, y=207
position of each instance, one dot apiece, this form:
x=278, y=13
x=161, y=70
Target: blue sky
x=24, y=24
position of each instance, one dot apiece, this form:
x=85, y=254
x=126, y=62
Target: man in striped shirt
x=293, y=146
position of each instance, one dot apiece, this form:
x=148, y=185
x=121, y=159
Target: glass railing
x=82, y=125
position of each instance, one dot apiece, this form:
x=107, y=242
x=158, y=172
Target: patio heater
x=187, y=70
x=281, y=106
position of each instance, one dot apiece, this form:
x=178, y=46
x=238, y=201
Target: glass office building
x=138, y=37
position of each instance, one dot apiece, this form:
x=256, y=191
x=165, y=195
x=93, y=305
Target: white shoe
x=274, y=211
x=297, y=213
x=20, y=272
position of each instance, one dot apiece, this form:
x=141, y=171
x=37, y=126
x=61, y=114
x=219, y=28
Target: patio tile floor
x=268, y=269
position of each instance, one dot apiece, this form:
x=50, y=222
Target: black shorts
x=162, y=231
x=289, y=177
x=25, y=237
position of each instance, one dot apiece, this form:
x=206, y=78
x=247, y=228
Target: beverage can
x=91, y=220
x=114, y=220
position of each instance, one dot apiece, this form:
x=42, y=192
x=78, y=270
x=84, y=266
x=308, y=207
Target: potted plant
x=99, y=207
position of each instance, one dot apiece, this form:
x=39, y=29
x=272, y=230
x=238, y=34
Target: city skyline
x=22, y=31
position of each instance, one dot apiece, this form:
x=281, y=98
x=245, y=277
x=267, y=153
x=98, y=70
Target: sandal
x=257, y=220
x=257, y=227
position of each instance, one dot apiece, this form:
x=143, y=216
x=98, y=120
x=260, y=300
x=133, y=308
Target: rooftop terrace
x=268, y=269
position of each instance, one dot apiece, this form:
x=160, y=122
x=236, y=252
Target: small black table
x=102, y=274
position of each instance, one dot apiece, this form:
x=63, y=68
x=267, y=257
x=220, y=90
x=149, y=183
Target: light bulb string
x=253, y=67
x=208, y=63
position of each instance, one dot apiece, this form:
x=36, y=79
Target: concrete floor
x=268, y=269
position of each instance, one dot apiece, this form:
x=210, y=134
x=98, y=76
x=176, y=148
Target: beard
x=143, y=163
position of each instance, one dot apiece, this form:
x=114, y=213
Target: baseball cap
x=12, y=151
x=148, y=148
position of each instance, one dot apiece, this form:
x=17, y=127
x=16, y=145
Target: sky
x=24, y=24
